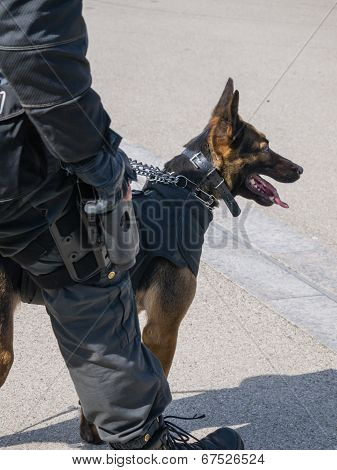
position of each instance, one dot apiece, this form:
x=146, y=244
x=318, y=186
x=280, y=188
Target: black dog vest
x=172, y=223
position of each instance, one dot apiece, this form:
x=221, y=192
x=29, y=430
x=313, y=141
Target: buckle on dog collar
x=200, y=162
x=207, y=199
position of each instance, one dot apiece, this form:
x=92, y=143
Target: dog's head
x=242, y=154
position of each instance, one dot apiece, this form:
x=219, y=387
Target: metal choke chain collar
x=156, y=175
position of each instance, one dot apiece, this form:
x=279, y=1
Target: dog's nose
x=299, y=169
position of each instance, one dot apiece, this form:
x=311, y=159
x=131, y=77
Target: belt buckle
x=195, y=157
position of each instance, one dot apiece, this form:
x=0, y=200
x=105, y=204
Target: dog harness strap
x=200, y=162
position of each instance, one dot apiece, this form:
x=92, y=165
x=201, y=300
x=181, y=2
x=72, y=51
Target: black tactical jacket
x=46, y=94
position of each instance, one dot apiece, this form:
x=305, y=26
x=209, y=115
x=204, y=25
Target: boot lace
x=177, y=437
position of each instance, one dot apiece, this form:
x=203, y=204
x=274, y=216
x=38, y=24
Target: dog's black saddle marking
x=172, y=223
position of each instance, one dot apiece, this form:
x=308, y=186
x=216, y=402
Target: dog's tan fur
x=8, y=302
x=166, y=302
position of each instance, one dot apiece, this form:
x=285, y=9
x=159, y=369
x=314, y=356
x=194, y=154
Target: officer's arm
x=43, y=45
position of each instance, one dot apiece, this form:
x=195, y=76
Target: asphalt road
x=257, y=349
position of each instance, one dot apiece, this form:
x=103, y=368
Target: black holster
x=109, y=239
x=88, y=246
x=120, y=233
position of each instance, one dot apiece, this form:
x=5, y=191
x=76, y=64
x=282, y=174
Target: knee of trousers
x=96, y=320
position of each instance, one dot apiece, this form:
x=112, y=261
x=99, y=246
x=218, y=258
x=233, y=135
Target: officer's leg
x=120, y=383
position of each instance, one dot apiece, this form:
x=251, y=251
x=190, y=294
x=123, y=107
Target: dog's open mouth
x=257, y=185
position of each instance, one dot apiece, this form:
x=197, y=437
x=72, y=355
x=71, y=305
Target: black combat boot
x=169, y=436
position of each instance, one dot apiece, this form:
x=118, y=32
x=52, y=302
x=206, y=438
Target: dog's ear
x=235, y=105
x=227, y=110
x=235, y=109
x=223, y=108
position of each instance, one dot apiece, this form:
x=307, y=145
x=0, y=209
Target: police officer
x=54, y=131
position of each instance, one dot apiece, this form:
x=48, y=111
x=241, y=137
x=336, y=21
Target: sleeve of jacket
x=43, y=45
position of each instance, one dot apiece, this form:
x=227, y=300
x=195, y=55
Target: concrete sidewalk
x=237, y=361
x=257, y=349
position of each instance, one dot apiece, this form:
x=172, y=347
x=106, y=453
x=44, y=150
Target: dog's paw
x=89, y=433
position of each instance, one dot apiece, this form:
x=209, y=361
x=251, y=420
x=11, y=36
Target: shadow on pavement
x=272, y=412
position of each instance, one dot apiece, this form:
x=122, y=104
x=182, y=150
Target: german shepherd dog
x=241, y=154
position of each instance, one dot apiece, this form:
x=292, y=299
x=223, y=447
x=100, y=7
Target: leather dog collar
x=212, y=175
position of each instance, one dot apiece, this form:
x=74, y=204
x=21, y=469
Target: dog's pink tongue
x=270, y=191
x=278, y=201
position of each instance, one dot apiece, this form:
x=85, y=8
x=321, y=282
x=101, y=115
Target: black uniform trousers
x=120, y=383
